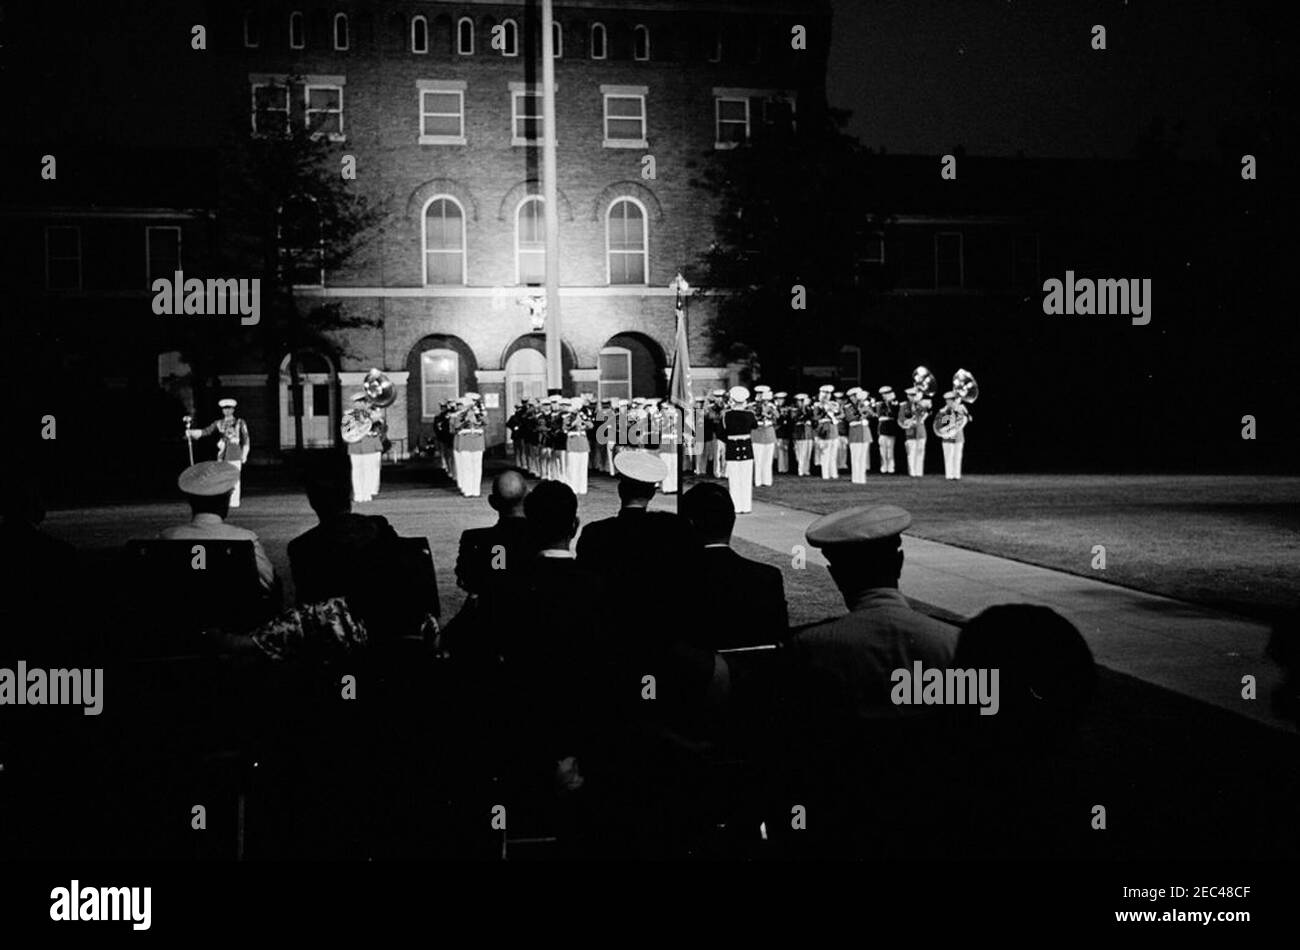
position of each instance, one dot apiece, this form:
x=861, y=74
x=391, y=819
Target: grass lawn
x=1231, y=542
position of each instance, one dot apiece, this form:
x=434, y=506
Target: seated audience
x=487, y=552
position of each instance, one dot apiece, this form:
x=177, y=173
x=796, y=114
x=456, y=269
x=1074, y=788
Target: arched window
x=641, y=42
x=615, y=363
x=557, y=40
x=599, y=41
x=297, y=31
x=625, y=242
x=444, y=241
x=252, y=30
x=509, y=38
x=439, y=380
x=341, y=31
x=465, y=36
x=419, y=35
x=530, y=241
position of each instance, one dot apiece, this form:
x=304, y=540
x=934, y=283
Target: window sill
x=725, y=146
x=332, y=136
x=625, y=143
x=442, y=140
x=527, y=142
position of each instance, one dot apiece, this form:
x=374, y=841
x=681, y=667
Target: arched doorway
x=442, y=368
x=314, y=401
x=536, y=342
x=525, y=377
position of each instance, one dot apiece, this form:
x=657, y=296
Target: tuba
x=924, y=380
x=949, y=421
x=907, y=416
x=364, y=420
x=964, y=385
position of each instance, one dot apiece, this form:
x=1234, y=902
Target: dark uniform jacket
x=474, y=562
x=739, y=425
x=744, y=603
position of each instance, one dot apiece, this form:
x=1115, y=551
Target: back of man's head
x=710, y=511
x=218, y=505
x=634, y=492
x=1046, y=675
x=329, y=485
x=552, y=512
x=858, y=567
x=509, y=490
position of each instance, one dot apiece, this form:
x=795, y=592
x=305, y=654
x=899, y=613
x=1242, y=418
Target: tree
x=286, y=214
x=793, y=210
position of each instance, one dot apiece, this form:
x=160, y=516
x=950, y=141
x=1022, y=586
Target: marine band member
x=468, y=425
x=826, y=414
x=950, y=426
x=804, y=430
x=738, y=424
x=367, y=454
x=233, y=445
x=764, y=435
x=887, y=429
x=856, y=415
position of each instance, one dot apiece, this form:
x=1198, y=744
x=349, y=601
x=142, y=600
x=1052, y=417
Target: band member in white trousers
x=804, y=430
x=764, y=439
x=950, y=425
x=738, y=424
x=887, y=430
x=577, y=449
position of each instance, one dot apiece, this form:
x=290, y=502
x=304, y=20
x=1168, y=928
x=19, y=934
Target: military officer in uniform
x=855, y=414
x=233, y=446
x=576, y=447
x=826, y=414
x=208, y=487
x=784, y=433
x=738, y=424
x=668, y=424
x=468, y=446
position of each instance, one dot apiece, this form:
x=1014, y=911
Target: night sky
x=1004, y=76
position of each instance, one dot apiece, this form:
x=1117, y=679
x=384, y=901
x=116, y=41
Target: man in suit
x=357, y=557
x=746, y=604
x=207, y=487
x=486, y=552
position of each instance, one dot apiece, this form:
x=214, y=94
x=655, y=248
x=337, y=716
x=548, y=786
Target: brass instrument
x=907, y=416
x=964, y=385
x=924, y=381
x=949, y=421
x=366, y=419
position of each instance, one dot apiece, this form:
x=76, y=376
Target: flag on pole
x=679, y=385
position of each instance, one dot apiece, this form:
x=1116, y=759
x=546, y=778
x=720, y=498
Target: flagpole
x=554, y=365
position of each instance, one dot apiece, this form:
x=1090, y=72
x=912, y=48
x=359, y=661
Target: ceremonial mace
x=189, y=443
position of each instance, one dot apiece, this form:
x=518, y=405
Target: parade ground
x=1171, y=736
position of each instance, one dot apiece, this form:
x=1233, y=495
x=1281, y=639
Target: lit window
x=615, y=363
x=162, y=253
x=527, y=117
x=340, y=31
x=63, y=258
x=641, y=42
x=444, y=242
x=948, y=264
x=419, y=35
x=599, y=41
x=530, y=241
x=625, y=125
x=439, y=381
x=625, y=242
x=324, y=110
x=270, y=109
x=297, y=31
x=733, y=122
x=465, y=36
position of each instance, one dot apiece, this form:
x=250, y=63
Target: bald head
x=508, y=492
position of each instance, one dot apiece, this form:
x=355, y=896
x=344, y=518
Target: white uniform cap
x=827, y=389
x=739, y=394
x=227, y=403
x=640, y=466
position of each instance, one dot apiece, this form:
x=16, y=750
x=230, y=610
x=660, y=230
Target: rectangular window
x=527, y=117
x=439, y=380
x=270, y=109
x=442, y=117
x=733, y=122
x=63, y=258
x=778, y=115
x=615, y=374
x=625, y=121
x=948, y=263
x=875, y=249
x=162, y=253
x=324, y=110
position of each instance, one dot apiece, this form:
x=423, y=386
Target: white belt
x=470, y=432
x=860, y=422
x=737, y=437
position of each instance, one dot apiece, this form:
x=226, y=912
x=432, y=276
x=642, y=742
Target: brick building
x=439, y=104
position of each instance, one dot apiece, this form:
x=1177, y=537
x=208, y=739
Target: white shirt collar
x=555, y=552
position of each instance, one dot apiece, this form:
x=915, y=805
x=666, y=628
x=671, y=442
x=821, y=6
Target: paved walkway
x=1185, y=648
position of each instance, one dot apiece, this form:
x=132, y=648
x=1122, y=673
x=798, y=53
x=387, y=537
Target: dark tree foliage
x=792, y=210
